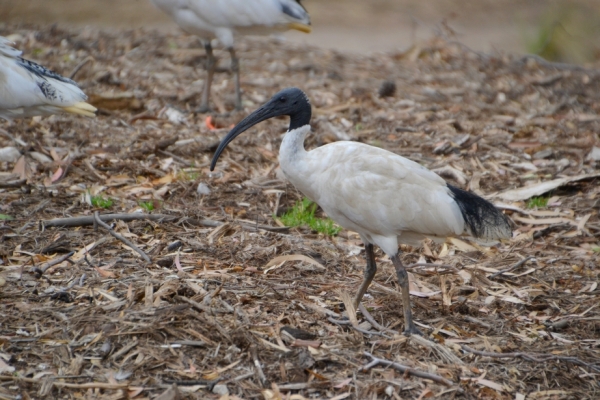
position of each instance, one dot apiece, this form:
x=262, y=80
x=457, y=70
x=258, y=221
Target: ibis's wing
x=383, y=193
x=247, y=13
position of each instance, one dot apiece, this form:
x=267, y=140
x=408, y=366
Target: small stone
x=387, y=89
x=175, y=116
x=203, y=189
x=542, y=154
x=9, y=154
x=220, y=390
x=594, y=154
x=389, y=390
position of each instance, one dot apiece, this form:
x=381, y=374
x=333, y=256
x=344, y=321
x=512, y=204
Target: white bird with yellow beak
x=28, y=89
x=222, y=19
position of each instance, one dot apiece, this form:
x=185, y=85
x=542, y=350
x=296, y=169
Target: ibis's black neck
x=301, y=115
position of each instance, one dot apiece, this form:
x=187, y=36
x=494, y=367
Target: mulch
x=232, y=304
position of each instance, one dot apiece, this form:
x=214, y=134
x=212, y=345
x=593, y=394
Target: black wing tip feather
x=43, y=72
x=482, y=219
x=286, y=9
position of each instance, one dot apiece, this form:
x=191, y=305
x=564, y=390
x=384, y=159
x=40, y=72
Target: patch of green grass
x=538, y=202
x=303, y=213
x=5, y=217
x=376, y=143
x=101, y=201
x=187, y=175
x=147, y=205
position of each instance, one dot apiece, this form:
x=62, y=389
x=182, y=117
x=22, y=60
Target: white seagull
x=384, y=197
x=28, y=89
x=221, y=19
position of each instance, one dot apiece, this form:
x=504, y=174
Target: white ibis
x=28, y=89
x=384, y=197
x=221, y=19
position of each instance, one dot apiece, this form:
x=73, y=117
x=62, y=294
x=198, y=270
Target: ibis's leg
x=235, y=68
x=211, y=64
x=409, y=325
x=369, y=274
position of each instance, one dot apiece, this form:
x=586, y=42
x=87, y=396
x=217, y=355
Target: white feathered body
x=386, y=198
x=28, y=89
x=222, y=19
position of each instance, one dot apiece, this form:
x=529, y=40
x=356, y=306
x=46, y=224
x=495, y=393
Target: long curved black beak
x=263, y=113
x=290, y=101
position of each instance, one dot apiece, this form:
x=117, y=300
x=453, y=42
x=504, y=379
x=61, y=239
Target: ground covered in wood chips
x=232, y=304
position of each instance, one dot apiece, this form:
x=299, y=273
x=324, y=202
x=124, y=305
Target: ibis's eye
x=282, y=99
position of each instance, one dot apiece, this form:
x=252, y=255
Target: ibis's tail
x=482, y=219
x=81, y=108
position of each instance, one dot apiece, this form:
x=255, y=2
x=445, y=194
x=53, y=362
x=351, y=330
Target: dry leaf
x=280, y=260
x=538, y=189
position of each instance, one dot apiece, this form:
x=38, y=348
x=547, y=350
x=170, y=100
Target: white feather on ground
x=28, y=89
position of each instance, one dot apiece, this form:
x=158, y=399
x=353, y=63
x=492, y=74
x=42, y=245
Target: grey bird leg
x=211, y=63
x=235, y=68
x=409, y=325
x=369, y=274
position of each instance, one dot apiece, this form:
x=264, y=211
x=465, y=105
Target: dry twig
x=85, y=221
x=355, y=327
x=261, y=375
x=532, y=357
x=372, y=321
x=375, y=361
x=44, y=267
x=517, y=265
x=121, y=238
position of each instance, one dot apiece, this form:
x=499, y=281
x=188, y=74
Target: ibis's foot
x=412, y=330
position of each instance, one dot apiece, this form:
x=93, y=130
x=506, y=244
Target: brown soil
x=107, y=325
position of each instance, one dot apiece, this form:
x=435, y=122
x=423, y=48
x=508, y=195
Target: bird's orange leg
x=409, y=325
x=369, y=274
x=235, y=68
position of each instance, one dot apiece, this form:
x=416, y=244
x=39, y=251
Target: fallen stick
x=517, y=265
x=356, y=328
x=175, y=157
x=91, y=385
x=89, y=220
x=210, y=384
x=372, y=321
x=44, y=267
x=13, y=184
x=121, y=238
x=532, y=357
x=404, y=369
x=80, y=65
x=261, y=375
x=88, y=385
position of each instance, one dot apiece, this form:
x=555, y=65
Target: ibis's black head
x=290, y=101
